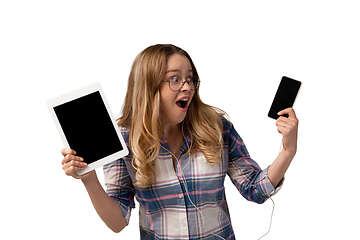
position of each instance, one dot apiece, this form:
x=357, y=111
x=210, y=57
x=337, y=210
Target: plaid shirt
x=167, y=207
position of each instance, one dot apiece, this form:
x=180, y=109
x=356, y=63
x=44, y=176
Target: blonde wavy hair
x=141, y=114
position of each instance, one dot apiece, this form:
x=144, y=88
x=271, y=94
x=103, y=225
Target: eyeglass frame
x=183, y=83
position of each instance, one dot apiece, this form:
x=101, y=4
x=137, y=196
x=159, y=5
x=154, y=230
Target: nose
x=185, y=86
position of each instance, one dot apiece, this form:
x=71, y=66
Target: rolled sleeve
x=267, y=189
x=119, y=186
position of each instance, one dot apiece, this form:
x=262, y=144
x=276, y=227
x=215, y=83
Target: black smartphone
x=284, y=97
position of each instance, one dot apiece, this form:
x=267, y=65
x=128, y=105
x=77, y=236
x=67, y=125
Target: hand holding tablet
x=73, y=164
x=86, y=125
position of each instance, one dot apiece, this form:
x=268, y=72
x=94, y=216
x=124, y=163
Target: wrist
x=91, y=178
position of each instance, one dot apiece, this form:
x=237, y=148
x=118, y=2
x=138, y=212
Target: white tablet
x=86, y=125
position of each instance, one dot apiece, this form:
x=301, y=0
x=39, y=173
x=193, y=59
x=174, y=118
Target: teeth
x=182, y=102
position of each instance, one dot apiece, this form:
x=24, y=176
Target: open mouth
x=182, y=103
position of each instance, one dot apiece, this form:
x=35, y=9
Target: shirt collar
x=184, y=146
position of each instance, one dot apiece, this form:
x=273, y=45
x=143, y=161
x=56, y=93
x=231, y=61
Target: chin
x=174, y=116
x=180, y=120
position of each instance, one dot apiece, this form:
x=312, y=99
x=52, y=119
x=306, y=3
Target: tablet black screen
x=88, y=127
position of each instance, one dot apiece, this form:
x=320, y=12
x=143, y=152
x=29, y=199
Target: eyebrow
x=176, y=70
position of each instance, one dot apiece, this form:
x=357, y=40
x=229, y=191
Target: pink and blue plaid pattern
x=188, y=201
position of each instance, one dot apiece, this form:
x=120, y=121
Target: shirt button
x=184, y=223
x=180, y=196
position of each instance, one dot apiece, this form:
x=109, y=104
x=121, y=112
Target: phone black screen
x=285, y=96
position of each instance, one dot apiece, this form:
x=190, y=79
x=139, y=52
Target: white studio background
x=241, y=50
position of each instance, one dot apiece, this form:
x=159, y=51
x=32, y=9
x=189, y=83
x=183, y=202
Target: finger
x=69, y=158
x=287, y=123
x=71, y=171
x=280, y=129
x=289, y=111
x=282, y=125
x=73, y=167
x=284, y=129
x=285, y=120
x=67, y=151
x=74, y=163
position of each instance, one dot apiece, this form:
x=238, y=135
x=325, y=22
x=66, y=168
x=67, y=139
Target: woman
x=180, y=152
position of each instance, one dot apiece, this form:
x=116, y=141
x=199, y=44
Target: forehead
x=178, y=62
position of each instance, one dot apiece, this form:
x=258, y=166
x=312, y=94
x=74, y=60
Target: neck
x=173, y=135
x=171, y=130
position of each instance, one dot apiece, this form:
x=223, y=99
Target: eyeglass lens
x=177, y=85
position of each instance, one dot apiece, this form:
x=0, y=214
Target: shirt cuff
x=266, y=186
x=125, y=210
x=126, y=213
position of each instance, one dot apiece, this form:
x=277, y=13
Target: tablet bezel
x=78, y=93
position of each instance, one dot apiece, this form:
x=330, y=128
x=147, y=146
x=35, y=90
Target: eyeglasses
x=176, y=83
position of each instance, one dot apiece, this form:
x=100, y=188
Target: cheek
x=192, y=98
x=165, y=101
x=165, y=104
x=167, y=97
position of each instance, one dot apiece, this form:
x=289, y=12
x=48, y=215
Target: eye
x=175, y=79
x=190, y=79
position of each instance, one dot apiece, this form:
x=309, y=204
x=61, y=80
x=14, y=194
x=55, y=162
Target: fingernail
x=84, y=164
x=81, y=159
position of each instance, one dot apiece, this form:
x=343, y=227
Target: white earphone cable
x=273, y=209
x=184, y=180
